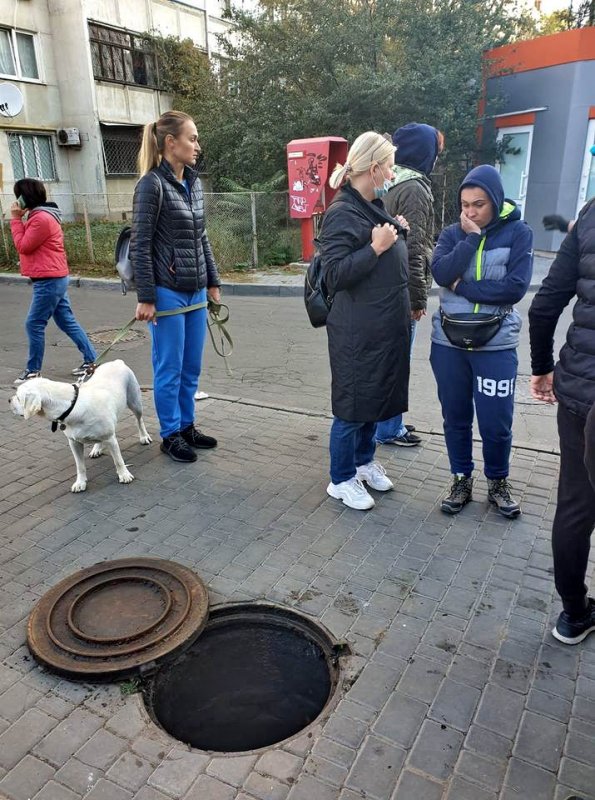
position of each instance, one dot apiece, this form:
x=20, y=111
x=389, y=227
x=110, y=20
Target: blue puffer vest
x=494, y=267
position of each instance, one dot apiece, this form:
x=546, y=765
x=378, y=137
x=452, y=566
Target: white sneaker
x=201, y=396
x=374, y=475
x=352, y=493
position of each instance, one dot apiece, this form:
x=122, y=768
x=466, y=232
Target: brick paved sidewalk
x=461, y=692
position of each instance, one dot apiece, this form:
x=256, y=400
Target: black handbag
x=471, y=331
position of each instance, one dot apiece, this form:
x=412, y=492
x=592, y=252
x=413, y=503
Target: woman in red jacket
x=39, y=241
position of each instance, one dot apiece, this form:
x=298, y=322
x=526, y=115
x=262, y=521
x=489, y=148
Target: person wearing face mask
x=364, y=265
x=483, y=265
x=174, y=271
x=411, y=197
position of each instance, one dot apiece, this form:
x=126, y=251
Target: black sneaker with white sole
x=408, y=439
x=26, y=375
x=572, y=630
x=461, y=492
x=500, y=495
x=177, y=449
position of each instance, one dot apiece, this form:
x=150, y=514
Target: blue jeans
x=178, y=342
x=486, y=380
x=352, y=445
x=50, y=299
x=394, y=427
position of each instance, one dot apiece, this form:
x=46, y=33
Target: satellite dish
x=11, y=100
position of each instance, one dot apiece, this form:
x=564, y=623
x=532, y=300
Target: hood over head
x=417, y=146
x=488, y=178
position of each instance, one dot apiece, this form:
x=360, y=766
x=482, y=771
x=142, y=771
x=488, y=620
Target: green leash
x=217, y=319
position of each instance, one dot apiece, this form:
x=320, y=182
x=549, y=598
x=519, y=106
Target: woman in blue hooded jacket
x=483, y=265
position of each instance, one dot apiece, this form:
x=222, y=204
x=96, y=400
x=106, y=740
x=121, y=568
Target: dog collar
x=63, y=416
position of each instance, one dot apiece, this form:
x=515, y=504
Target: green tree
x=303, y=68
x=568, y=18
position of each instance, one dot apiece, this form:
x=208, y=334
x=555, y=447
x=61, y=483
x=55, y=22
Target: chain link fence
x=247, y=230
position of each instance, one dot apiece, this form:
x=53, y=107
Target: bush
x=104, y=236
x=229, y=226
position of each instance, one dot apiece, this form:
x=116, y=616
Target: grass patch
x=129, y=687
x=232, y=250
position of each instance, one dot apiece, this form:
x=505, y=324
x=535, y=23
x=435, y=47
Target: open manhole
x=257, y=675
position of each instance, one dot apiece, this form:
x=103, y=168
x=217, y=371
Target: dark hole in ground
x=256, y=676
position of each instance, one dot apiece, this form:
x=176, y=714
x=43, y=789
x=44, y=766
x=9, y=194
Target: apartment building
x=89, y=83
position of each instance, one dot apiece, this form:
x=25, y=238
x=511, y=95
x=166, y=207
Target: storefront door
x=514, y=146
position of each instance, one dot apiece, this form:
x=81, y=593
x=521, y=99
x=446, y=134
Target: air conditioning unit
x=69, y=137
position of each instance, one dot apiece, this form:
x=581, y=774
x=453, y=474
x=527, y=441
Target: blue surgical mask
x=382, y=191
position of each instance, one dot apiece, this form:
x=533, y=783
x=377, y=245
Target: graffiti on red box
x=309, y=162
x=307, y=175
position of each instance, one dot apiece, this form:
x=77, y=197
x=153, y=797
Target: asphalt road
x=279, y=360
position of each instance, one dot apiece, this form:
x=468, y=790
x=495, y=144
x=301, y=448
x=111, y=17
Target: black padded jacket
x=170, y=247
x=571, y=275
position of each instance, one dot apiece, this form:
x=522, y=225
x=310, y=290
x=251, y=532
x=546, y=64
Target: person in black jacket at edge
x=364, y=267
x=572, y=385
x=174, y=269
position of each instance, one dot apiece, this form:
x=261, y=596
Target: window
x=32, y=156
x=120, y=149
x=18, y=58
x=121, y=56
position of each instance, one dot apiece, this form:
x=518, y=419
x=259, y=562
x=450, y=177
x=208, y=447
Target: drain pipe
x=207, y=31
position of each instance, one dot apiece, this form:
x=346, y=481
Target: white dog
x=87, y=414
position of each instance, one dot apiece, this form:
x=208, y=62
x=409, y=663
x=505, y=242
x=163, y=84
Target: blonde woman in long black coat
x=364, y=262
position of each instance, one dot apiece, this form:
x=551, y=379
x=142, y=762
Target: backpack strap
x=159, y=193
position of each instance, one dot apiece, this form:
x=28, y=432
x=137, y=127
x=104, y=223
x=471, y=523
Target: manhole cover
x=114, y=617
x=257, y=675
x=107, y=335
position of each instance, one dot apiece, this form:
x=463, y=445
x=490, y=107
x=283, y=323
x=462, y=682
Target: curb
x=236, y=289
x=307, y=412
x=230, y=289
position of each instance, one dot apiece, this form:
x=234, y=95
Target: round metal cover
x=115, y=617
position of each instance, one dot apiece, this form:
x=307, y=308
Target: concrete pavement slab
x=456, y=688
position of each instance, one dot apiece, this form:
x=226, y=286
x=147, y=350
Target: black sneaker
x=461, y=492
x=177, y=449
x=411, y=428
x=500, y=496
x=408, y=439
x=195, y=438
x=86, y=366
x=26, y=375
x=571, y=630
